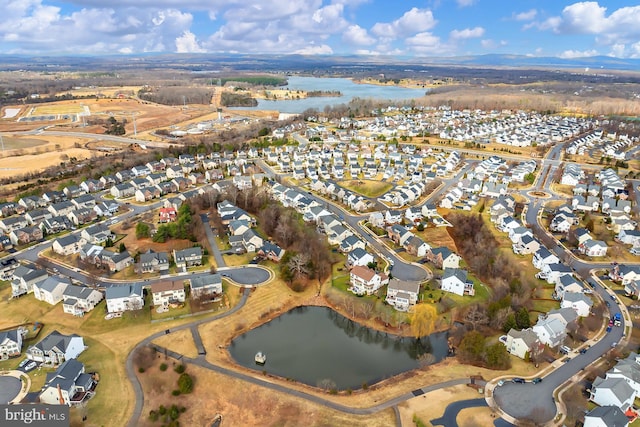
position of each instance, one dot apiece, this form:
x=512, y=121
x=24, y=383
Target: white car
x=30, y=366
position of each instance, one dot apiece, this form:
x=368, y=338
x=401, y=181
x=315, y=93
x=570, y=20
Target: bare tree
x=366, y=308
x=298, y=264
x=476, y=315
x=426, y=359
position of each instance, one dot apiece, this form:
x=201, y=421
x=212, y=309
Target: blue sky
x=406, y=28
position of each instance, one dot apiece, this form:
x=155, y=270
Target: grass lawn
x=367, y=188
x=232, y=260
x=543, y=305
x=173, y=312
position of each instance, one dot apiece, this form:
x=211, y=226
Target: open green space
x=367, y=188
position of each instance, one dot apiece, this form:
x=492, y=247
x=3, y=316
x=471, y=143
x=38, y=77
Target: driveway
x=246, y=275
x=212, y=241
x=450, y=415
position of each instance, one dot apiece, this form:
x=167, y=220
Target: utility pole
x=135, y=130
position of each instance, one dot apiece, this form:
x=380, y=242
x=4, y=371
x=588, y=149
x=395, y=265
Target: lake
x=347, y=88
x=318, y=346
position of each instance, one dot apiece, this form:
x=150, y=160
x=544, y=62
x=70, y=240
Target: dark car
x=608, y=328
x=613, y=297
x=583, y=350
x=536, y=380
x=608, y=304
x=518, y=380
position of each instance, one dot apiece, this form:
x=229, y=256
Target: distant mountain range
x=274, y=62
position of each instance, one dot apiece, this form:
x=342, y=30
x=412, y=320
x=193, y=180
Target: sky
x=403, y=28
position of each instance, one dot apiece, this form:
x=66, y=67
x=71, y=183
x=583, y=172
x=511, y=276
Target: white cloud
x=465, y=3
x=187, y=43
x=617, y=50
x=525, y=16
x=356, y=35
x=367, y=52
x=315, y=50
x=488, y=44
x=570, y=54
x=426, y=43
x=412, y=22
x=467, y=33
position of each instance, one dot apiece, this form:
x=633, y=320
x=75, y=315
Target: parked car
x=583, y=350
x=23, y=363
x=500, y=383
x=30, y=366
x=609, y=328
x=536, y=380
x=518, y=380
x=614, y=344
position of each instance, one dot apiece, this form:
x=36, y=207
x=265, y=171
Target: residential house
x=454, y=280
x=399, y=234
x=359, y=257
x=612, y=392
x=552, y=272
x=122, y=191
x=78, y=300
x=417, y=247
x=167, y=292
x=7, y=267
x=550, y=331
x=593, y=248
x=167, y=215
x=522, y=343
x=188, y=257
x=365, y=281
x=96, y=234
x=51, y=289
x=7, y=225
x=629, y=237
x=82, y=216
x=55, y=348
x=578, y=301
x=68, y=385
x=567, y=283
x=153, y=262
x=66, y=245
x=124, y=298
x=209, y=284
x=544, y=257
x=606, y=416
x=402, y=294
x=526, y=245
x=55, y=224
x=25, y=235
x=36, y=216
x=271, y=251
x=566, y=316
x=61, y=208
x=442, y=257
x=10, y=343
x=106, y=208
x=24, y=278
x=377, y=219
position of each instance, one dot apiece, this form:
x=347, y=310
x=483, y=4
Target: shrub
x=141, y=369
x=185, y=383
x=180, y=369
x=175, y=393
x=163, y=367
x=174, y=413
x=153, y=416
x=162, y=410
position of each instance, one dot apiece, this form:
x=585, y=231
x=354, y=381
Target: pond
x=347, y=88
x=319, y=347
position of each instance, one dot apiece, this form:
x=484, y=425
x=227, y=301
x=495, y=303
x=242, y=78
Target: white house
x=10, y=343
x=612, y=392
x=78, y=300
x=578, y=301
x=51, y=289
x=124, y=297
x=365, y=281
x=66, y=245
x=593, y=248
x=68, y=385
x=550, y=331
x=55, y=348
x=454, y=280
x=605, y=416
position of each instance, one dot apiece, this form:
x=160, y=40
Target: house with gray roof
x=51, y=289
x=153, y=262
x=454, y=280
x=55, y=348
x=188, y=257
x=24, y=278
x=208, y=284
x=68, y=385
x=606, y=416
x=402, y=294
x=522, y=343
x=78, y=300
x=66, y=245
x=10, y=343
x=612, y=392
x=124, y=297
x=550, y=331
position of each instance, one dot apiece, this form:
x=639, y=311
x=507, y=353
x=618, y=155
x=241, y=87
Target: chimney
x=60, y=398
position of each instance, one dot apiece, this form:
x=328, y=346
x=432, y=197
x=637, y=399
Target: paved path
x=448, y=419
x=217, y=255
x=131, y=372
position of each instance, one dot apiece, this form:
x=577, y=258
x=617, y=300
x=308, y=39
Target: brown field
x=34, y=154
